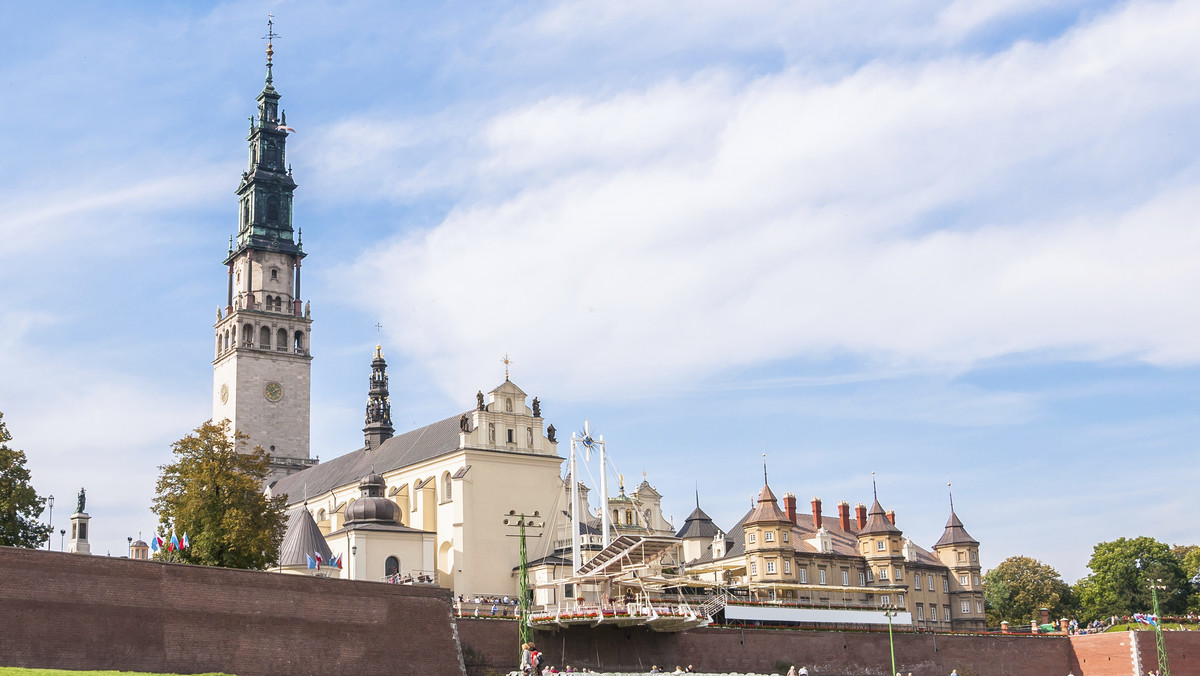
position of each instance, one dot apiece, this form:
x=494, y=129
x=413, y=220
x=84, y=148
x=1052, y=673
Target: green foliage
x=1119, y=583
x=1189, y=558
x=1019, y=586
x=213, y=491
x=20, y=505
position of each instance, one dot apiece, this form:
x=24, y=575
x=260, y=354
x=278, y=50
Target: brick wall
x=79, y=612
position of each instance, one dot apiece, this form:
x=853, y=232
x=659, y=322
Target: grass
x=1136, y=626
x=19, y=671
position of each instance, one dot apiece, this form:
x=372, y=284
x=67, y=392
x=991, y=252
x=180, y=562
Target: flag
x=311, y=564
x=174, y=542
x=283, y=128
x=335, y=561
x=155, y=543
x=184, y=543
x=319, y=561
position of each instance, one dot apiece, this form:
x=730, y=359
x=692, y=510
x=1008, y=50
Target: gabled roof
x=767, y=509
x=302, y=540
x=698, y=525
x=877, y=522
x=955, y=534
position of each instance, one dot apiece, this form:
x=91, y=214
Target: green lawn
x=1138, y=626
x=18, y=671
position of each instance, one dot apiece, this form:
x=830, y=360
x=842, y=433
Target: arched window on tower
x=245, y=212
x=391, y=566
x=279, y=308
x=248, y=335
x=233, y=336
x=264, y=338
x=298, y=342
x=227, y=340
x=282, y=341
x=218, y=344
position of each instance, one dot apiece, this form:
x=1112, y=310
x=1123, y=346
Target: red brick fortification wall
x=1111, y=655
x=87, y=612
x=492, y=644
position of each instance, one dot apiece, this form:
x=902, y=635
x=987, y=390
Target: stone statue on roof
x=80, y=501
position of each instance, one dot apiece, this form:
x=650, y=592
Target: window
x=862, y=579
x=845, y=577
x=753, y=568
x=769, y=536
x=752, y=538
x=281, y=340
x=822, y=575
x=899, y=573
x=930, y=583
x=945, y=584
x=264, y=338
x=920, y=611
x=512, y=436
x=298, y=342
x=965, y=607
x=962, y=579
x=883, y=573
x=870, y=575
x=628, y=516
x=974, y=556
x=900, y=600
x=946, y=612
x=787, y=567
x=447, y=487
x=933, y=613
x=885, y=600
x=274, y=274
x=785, y=536
x=917, y=582
x=881, y=545
x=979, y=606
x=320, y=515
x=391, y=566
x=976, y=580
x=803, y=574
x=770, y=567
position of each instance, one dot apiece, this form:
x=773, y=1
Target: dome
x=372, y=506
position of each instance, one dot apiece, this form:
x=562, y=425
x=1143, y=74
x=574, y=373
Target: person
x=792, y=670
x=803, y=671
x=678, y=670
x=655, y=670
x=690, y=669
x=526, y=659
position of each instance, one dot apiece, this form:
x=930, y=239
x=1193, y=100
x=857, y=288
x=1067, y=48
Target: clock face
x=224, y=394
x=273, y=391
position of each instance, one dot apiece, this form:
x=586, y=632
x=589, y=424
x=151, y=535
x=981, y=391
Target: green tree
x=19, y=503
x=1119, y=583
x=1019, y=586
x=1189, y=558
x=213, y=492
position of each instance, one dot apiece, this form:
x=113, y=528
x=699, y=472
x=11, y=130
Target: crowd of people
x=485, y=606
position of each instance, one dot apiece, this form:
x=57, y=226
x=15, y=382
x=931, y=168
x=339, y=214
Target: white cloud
x=919, y=213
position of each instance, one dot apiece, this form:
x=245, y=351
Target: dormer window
x=881, y=546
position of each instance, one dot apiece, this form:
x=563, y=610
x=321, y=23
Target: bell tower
x=261, y=369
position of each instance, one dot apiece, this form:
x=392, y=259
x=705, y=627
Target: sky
x=941, y=242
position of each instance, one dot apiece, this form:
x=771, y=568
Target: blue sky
x=941, y=241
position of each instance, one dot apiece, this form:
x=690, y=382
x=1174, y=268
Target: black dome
x=372, y=506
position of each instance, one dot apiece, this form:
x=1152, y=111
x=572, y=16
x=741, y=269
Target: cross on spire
x=378, y=333
x=764, y=468
x=951, y=492
x=507, y=362
x=874, y=488
x=270, y=38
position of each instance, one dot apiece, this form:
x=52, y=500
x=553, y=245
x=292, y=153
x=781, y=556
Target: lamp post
x=129, y=548
x=62, y=543
x=50, y=506
x=1164, y=667
x=891, y=611
x=353, y=559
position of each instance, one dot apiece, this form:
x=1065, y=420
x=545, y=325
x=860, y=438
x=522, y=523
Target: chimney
x=891, y=516
x=860, y=513
x=816, y=507
x=844, y=515
x=789, y=506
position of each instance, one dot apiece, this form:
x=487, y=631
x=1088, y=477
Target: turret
x=379, y=406
x=769, y=552
x=959, y=552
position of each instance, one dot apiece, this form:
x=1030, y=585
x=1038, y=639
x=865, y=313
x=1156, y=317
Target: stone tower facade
x=960, y=553
x=378, y=427
x=261, y=380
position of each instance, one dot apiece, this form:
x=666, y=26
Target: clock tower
x=261, y=370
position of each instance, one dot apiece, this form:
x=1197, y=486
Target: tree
x=1119, y=583
x=1019, y=586
x=213, y=493
x=1189, y=558
x=19, y=503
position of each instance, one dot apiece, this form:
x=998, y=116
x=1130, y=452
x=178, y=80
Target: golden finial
x=271, y=35
x=506, y=361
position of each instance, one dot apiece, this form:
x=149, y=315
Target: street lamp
x=891, y=611
x=129, y=548
x=1164, y=667
x=50, y=506
x=62, y=544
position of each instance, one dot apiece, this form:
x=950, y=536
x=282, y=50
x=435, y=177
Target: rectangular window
x=822, y=574
x=931, y=582
x=770, y=567
x=870, y=575
x=933, y=613
x=946, y=585
x=974, y=556
x=885, y=600
x=862, y=579
x=512, y=436
x=946, y=612
x=920, y=611
x=965, y=607
x=899, y=574
x=979, y=607
x=962, y=579
x=881, y=546
x=803, y=574
x=753, y=538
x=845, y=577
x=900, y=600
x=883, y=573
x=787, y=567
x=769, y=536
x=753, y=568
x=976, y=580
x=917, y=582
x=785, y=536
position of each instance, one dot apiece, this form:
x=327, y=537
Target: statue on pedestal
x=80, y=501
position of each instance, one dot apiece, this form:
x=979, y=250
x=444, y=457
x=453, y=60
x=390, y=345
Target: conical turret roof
x=767, y=508
x=698, y=525
x=302, y=540
x=955, y=534
x=877, y=522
